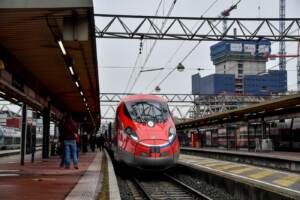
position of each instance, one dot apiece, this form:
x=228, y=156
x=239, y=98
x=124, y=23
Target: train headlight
x=131, y=133
x=172, y=134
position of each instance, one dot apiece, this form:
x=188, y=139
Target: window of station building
x=240, y=66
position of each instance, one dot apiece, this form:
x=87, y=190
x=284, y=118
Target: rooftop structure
x=240, y=68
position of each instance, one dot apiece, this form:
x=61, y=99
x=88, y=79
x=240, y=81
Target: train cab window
x=144, y=111
x=126, y=112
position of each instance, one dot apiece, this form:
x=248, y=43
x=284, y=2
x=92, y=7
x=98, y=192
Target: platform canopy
x=282, y=108
x=35, y=69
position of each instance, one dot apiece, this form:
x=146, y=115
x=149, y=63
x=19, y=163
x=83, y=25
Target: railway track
x=165, y=187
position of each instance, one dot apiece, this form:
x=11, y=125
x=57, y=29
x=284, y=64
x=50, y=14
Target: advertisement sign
x=263, y=49
x=236, y=47
x=249, y=48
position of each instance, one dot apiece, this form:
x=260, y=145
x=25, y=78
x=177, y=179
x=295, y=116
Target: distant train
x=144, y=135
x=10, y=138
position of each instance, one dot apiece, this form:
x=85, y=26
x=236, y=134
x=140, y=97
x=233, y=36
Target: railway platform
x=289, y=161
x=245, y=180
x=44, y=179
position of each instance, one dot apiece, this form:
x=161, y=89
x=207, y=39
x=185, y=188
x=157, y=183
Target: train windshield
x=144, y=111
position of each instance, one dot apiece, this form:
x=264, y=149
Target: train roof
x=142, y=97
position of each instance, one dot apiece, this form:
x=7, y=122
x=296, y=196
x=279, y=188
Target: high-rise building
x=240, y=68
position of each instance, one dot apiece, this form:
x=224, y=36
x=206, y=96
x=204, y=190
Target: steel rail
x=192, y=190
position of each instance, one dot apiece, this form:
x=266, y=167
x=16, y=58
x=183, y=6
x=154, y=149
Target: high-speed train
x=145, y=135
x=10, y=138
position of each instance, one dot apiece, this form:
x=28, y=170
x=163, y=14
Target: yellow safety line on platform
x=227, y=166
x=215, y=164
x=206, y=162
x=287, y=181
x=242, y=170
x=200, y=162
x=261, y=174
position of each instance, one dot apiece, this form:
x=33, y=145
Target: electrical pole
x=298, y=68
x=282, y=60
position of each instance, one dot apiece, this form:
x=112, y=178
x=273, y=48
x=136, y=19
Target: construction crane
x=282, y=60
x=274, y=56
x=226, y=13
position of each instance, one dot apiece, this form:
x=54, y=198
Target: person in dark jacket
x=70, y=130
x=101, y=142
x=61, y=147
x=92, y=142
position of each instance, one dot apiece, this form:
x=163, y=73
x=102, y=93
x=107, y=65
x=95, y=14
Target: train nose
x=154, y=155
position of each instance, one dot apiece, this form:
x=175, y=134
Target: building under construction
x=240, y=68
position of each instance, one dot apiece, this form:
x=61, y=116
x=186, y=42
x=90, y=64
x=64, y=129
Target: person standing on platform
x=92, y=142
x=61, y=142
x=70, y=130
x=84, y=142
x=101, y=142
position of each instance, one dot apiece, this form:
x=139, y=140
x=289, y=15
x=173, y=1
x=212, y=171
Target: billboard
x=236, y=47
x=263, y=49
x=250, y=48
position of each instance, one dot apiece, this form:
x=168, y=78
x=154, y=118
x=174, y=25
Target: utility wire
x=184, y=58
x=180, y=46
x=153, y=45
x=138, y=55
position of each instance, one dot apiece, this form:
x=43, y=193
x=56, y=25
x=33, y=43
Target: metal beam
x=23, y=133
x=15, y=4
x=186, y=106
x=179, y=28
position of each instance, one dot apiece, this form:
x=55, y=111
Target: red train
x=145, y=135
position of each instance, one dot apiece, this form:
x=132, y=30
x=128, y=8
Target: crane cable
x=153, y=45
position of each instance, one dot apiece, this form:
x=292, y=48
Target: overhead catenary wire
x=186, y=56
x=153, y=45
x=138, y=54
x=179, y=47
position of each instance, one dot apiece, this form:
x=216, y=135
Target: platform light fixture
x=62, y=48
x=277, y=109
x=3, y=93
x=180, y=67
x=71, y=70
x=84, y=99
x=81, y=93
x=14, y=99
x=157, y=89
x=77, y=84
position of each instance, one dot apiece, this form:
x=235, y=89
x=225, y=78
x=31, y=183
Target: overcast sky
x=116, y=58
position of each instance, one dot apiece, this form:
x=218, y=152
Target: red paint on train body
x=145, y=135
